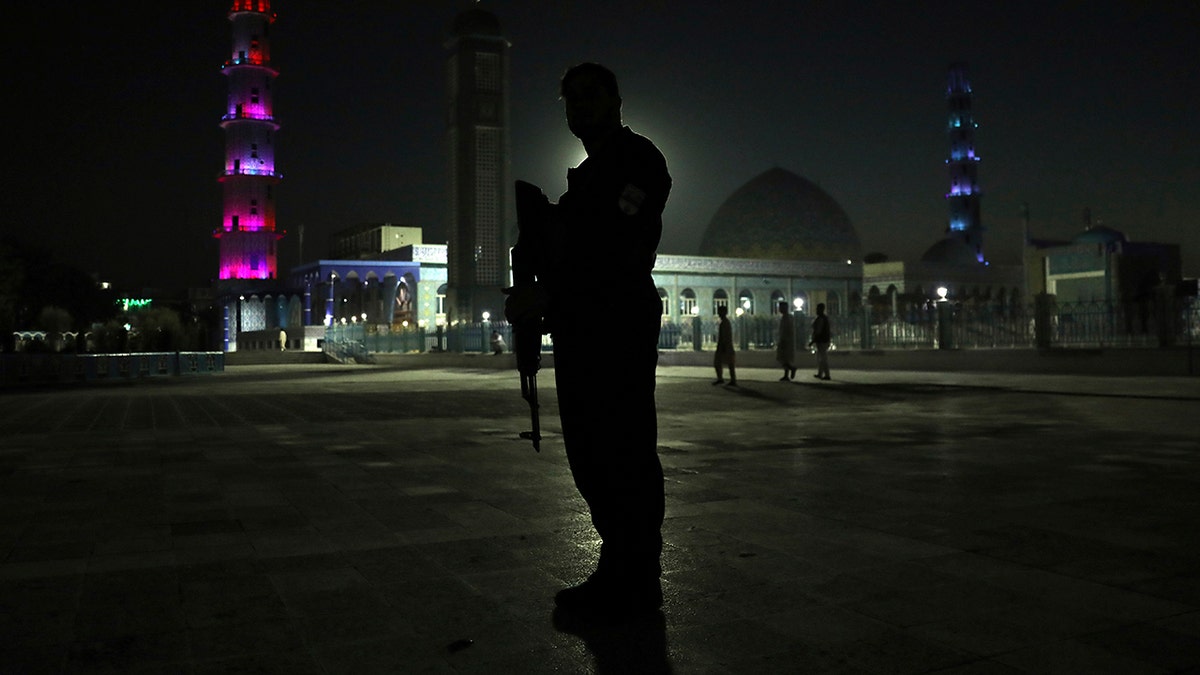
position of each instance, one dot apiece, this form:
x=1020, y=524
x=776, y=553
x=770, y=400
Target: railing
x=945, y=325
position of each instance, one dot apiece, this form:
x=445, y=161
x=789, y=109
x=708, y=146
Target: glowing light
x=133, y=303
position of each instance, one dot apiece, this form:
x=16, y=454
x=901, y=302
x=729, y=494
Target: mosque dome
x=1099, y=234
x=950, y=251
x=476, y=21
x=780, y=216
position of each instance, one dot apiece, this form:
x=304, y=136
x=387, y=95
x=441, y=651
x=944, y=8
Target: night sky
x=114, y=142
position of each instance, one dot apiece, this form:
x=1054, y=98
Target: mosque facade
x=779, y=238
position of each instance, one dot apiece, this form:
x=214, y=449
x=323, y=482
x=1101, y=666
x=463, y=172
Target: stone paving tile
x=324, y=519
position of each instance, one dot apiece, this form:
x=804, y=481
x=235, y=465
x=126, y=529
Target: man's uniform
x=604, y=314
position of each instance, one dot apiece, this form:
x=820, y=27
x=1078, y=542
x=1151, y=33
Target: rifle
x=528, y=265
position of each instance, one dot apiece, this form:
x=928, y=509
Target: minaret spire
x=963, y=197
x=247, y=234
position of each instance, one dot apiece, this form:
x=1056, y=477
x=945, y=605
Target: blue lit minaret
x=964, y=194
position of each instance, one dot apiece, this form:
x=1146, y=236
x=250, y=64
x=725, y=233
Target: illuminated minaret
x=247, y=233
x=477, y=136
x=964, y=194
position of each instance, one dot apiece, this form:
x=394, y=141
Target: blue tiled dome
x=1099, y=234
x=780, y=216
x=950, y=251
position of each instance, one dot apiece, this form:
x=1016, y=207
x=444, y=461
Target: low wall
x=23, y=369
x=1155, y=362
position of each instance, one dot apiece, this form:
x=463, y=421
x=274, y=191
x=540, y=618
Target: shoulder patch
x=631, y=199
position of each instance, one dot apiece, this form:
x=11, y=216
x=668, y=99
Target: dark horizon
x=119, y=146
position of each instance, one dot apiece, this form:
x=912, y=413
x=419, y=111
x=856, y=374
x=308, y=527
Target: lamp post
x=743, y=334
x=945, y=319
x=484, y=341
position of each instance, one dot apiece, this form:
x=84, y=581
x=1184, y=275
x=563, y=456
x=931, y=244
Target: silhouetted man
x=785, y=346
x=725, y=356
x=822, y=338
x=600, y=250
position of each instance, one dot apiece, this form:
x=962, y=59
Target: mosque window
x=687, y=302
x=720, y=299
x=746, y=302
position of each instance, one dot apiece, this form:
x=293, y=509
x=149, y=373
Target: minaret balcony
x=250, y=62
x=225, y=175
x=244, y=116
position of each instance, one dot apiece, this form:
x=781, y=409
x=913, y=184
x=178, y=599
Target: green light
x=133, y=303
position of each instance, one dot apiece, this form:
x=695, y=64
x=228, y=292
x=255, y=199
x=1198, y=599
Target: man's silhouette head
x=593, y=101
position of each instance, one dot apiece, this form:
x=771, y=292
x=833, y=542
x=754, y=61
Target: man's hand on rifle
x=524, y=302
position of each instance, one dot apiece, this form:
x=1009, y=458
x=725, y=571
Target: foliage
x=156, y=330
x=35, y=287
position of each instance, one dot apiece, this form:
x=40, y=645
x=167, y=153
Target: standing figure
x=821, y=338
x=598, y=253
x=725, y=355
x=785, y=346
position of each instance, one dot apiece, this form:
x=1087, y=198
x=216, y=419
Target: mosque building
x=779, y=238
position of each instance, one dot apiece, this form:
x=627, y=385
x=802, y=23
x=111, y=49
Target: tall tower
x=963, y=197
x=247, y=233
x=477, y=140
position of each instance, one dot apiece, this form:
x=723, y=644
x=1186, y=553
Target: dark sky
x=114, y=143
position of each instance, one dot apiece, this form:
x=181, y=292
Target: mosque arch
x=687, y=302
x=295, y=312
x=665, y=298
x=720, y=299
x=746, y=301
x=777, y=297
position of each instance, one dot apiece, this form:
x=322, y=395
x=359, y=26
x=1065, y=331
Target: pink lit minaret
x=247, y=233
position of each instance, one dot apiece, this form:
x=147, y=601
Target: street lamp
x=483, y=332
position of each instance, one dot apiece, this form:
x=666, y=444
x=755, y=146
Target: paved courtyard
x=355, y=519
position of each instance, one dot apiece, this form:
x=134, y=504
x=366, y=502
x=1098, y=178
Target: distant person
x=821, y=339
x=600, y=245
x=725, y=355
x=498, y=345
x=785, y=346
x=282, y=340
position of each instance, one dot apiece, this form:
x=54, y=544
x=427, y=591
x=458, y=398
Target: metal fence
x=936, y=325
